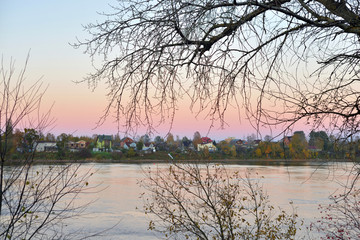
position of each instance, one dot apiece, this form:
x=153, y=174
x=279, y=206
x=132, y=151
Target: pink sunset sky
x=45, y=28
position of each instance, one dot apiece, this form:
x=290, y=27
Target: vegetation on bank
x=87, y=155
x=318, y=145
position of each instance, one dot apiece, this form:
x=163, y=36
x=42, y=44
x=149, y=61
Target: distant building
x=237, y=142
x=206, y=143
x=104, y=142
x=76, y=146
x=127, y=142
x=79, y=144
x=314, y=149
x=45, y=146
x=149, y=147
x=287, y=141
x=256, y=142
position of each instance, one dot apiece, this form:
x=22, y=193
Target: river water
x=117, y=206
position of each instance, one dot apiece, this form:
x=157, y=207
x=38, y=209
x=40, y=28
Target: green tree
x=50, y=137
x=320, y=140
x=131, y=153
x=170, y=140
x=31, y=137
x=298, y=146
x=258, y=152
x=277, y=150
x=139, y=145
x=186, y=142
x=145, y=139
x=233, y=151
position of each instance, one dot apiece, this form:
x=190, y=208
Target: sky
x=45, y=28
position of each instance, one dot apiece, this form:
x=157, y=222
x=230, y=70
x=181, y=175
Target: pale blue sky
x=47, y=27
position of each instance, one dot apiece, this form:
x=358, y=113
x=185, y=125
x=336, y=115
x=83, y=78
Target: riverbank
x=275, y=162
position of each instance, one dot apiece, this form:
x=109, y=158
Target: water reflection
x=116, y=205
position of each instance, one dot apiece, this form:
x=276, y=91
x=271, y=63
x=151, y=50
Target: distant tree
x=196, y=139
x=225, y=149
x=131, y=153
x=9, y=137
x=158, y=140
x=145, y=139
x=277, y=151
x=228, y=139
x=18, y=139
x=233, y=151
x=298, y=146
x=251, y=138
x=41, y=136
x=170, y=139
x=178, y=142
x=160, y=143
x=63, y=139
x=117, y=137
x=186, y=142
x=62, y=144
x=264, y=149
x=268, y=138
x=50, y=137
x=258, y=152
x=31, y=137
x=139, y=145
x=319, y=140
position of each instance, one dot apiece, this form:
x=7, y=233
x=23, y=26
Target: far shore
x=222, y=161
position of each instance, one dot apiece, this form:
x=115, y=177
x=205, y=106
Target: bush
x=15, y=156
x=116, y=155
x=83, y=154
x=102, y=155
x=131, y=153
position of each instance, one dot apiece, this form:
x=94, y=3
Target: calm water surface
x=116, y=204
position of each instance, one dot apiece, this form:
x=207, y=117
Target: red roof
x=205, y=140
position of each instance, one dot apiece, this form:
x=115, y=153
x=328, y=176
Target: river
x=117, y=206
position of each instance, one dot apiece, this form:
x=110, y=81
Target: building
x=45, y=146
x=149, y=147
x=127, y=143
x=237, y=142
x=287, y=141
x=76, y=146
x=104, y=143
x=206, y=143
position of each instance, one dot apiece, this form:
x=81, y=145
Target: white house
x=45, y=146
x=130, y=145
x=206, y=143
x=149, y=147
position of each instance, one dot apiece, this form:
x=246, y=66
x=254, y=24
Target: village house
x=206, y=143
x=237, y=142
x=127, y=143
x=256, y=143
x=45, y=146
x=76, y=146
x=103, y=143
x=287, y=141
x=149, y=147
